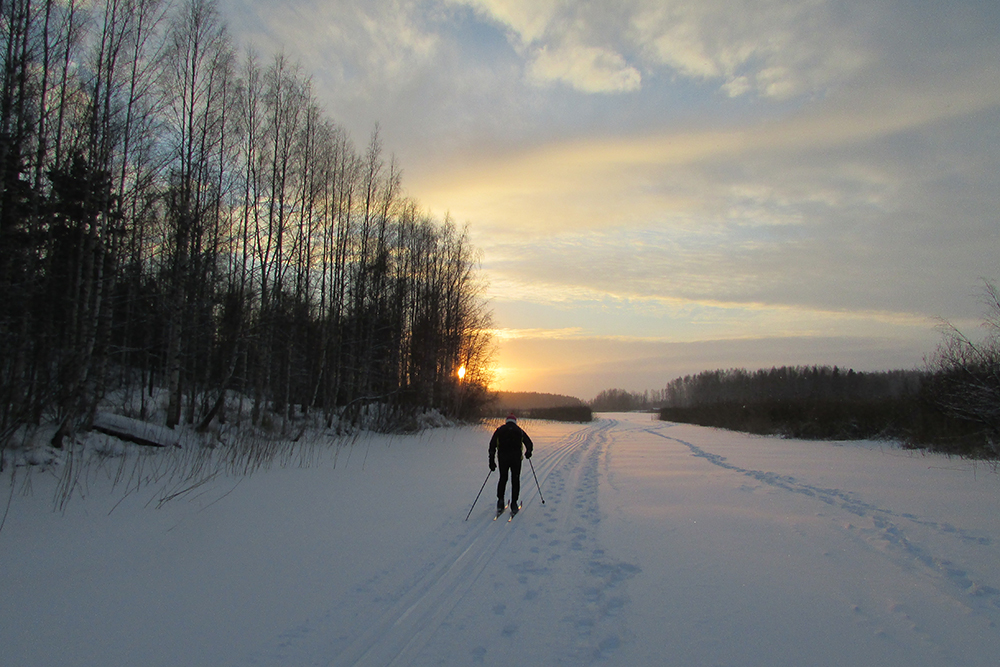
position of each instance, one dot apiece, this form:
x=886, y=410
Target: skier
x=505, y=445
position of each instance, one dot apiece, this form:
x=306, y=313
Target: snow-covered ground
x=657, y=544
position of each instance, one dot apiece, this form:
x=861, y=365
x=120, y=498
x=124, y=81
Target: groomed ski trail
x=501, y=585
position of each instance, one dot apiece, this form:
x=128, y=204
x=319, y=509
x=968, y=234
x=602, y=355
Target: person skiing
x=506, y=447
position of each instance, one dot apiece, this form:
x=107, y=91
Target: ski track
x=543, y=543
x=551, y=563
x=890, y=533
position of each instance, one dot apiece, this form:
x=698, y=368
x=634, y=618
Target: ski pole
x=481, y=493
x=536, y=481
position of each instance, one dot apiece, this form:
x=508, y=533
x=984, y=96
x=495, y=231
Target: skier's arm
x=528, y=446
x=493, y=451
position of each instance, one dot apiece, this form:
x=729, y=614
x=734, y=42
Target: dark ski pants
x=514, y=467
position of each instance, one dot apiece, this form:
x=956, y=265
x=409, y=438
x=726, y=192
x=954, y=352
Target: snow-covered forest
x=178, y=213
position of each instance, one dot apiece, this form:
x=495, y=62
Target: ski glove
x=493, y=466
x=527, y=455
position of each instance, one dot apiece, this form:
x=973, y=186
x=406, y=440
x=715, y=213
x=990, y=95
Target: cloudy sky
x=661, y=187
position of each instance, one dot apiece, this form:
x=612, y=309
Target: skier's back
x=508, y=444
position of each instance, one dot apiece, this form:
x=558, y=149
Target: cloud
x=527, y=20
x=845, y=204
x=675, y=174
x=586, y=68
x=611, y=308
x=559, y=46
x=353, y=42
x=366, y=60
x=775, y=48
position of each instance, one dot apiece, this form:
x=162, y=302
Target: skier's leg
x=504, y=467
x=515, y=481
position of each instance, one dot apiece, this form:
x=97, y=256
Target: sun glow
x=461, y=373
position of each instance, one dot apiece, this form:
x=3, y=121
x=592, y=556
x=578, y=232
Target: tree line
x=178, y=215
x=949, y=406
x=816, y=402
x=788, y=383
x=622, y=400
x=742, y=386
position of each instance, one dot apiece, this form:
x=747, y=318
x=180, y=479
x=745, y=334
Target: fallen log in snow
x=134, y=430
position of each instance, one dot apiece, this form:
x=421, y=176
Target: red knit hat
x=512, y=417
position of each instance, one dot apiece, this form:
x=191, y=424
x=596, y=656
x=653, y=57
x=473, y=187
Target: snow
x=138, y=431
x=657, y=544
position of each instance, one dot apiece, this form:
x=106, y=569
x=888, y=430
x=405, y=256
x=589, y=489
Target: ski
x=513, y=512
x=500, y=512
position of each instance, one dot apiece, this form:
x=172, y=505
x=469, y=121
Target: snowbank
x=139, y=432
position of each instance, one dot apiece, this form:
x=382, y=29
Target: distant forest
x=815, y=383
x=529, y=400
x=953, y=405
x=178, y=215
x=534, y=405
x=934, y=408
x=622, y=400
x=804, y=402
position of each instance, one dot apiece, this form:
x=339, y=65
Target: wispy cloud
x=590, y=69
x=820, y=208
x=559, y=45
x=776, y=48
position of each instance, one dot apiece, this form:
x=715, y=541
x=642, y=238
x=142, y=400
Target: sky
x=662, y=187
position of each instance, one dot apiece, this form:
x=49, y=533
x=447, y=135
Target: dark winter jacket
x=506, y=443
